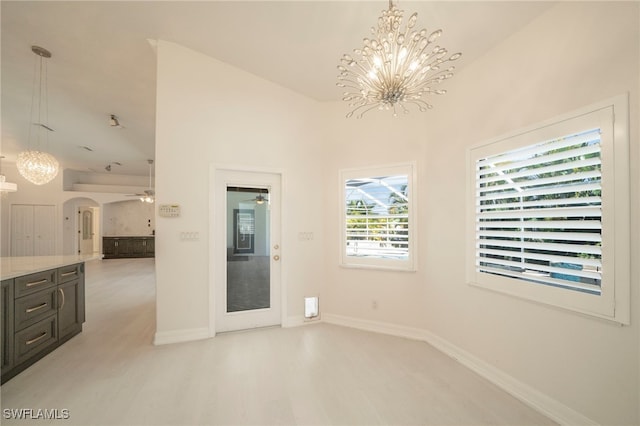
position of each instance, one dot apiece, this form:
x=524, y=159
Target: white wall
x=128, y=218
x=377, y=139
x=211, y=113
x=571, y=56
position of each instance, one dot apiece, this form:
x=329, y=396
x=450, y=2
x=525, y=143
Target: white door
x=246, y=232
x=32, y=230
x=21, y=230
x=85, y=230
x=44, y=230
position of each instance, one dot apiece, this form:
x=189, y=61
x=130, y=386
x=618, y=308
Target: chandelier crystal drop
x=396, y=68
x=37, y=167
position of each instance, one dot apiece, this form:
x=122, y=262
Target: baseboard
x=177, y=336
x=299, y=320
x=539, y=401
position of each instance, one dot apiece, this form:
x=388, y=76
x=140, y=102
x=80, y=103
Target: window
x=550, y=214
x=378, y=226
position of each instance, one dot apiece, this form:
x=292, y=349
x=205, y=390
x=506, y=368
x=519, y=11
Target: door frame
x=218, y=246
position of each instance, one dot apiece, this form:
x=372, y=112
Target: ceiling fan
x=260, y=198
x=148, y=195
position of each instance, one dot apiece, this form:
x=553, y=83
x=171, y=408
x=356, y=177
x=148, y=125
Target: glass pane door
x=248, y=249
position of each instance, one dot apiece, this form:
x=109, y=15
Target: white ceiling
x=103, y=63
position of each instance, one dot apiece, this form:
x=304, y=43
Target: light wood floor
x=318, y=374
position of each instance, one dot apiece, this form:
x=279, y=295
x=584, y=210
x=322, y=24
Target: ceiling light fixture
x=35, y=165
x=114, y=163
x=5, y=187
x=395, y=68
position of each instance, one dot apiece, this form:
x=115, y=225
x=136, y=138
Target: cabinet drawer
x=34, y=307
x=29, y=284
x=34, y=339
x=69, y=273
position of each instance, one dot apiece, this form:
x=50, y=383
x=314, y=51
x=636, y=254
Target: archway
x=82, y=226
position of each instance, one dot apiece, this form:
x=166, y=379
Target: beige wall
x=573, y=55
x=209, y=113
x=128, y=218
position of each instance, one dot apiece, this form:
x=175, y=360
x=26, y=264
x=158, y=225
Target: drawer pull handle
x=42, y=281
x=63, y=299
x=66, y=274
x=40, y=337
x=36, y=308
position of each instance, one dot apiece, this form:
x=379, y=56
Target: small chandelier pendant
x=396, y=68
x=38, y=167
x=34, y=165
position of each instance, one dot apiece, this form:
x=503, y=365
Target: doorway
x=247, y=250
x=87, y=230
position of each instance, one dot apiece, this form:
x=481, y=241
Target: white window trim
x=614, y=303
x=407, y=265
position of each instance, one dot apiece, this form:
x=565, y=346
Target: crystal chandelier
x=34, y=165
x=396, y=68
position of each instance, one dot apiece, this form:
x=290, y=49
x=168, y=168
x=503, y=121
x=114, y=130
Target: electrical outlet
x=305, y=236
x=374, y=304
x=189, y=236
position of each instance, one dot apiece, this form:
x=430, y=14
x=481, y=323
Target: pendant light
x=35, y=165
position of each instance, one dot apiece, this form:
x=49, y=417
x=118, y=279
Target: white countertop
x=11, y=267
x=128, y=236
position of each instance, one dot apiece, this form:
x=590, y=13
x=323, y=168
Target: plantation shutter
x=539, y=215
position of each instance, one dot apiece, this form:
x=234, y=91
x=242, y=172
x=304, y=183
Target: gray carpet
x=247, y=283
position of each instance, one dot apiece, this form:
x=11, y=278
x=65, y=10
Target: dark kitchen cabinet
x=40, y=311
x=71, y=311
x=124, y=247
x=6, y=327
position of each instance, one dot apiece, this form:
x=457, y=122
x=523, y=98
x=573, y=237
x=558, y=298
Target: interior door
x=21, y=230
x=44, y=230
x=33, y=230
x=85, y=230
x=247, y=250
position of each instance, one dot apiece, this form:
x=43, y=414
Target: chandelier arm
x=348, y=83
x=436, y=78
x=348, y=90
x=422, y=105
x=351, y=81
x=360, y=115
x=423, y=79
